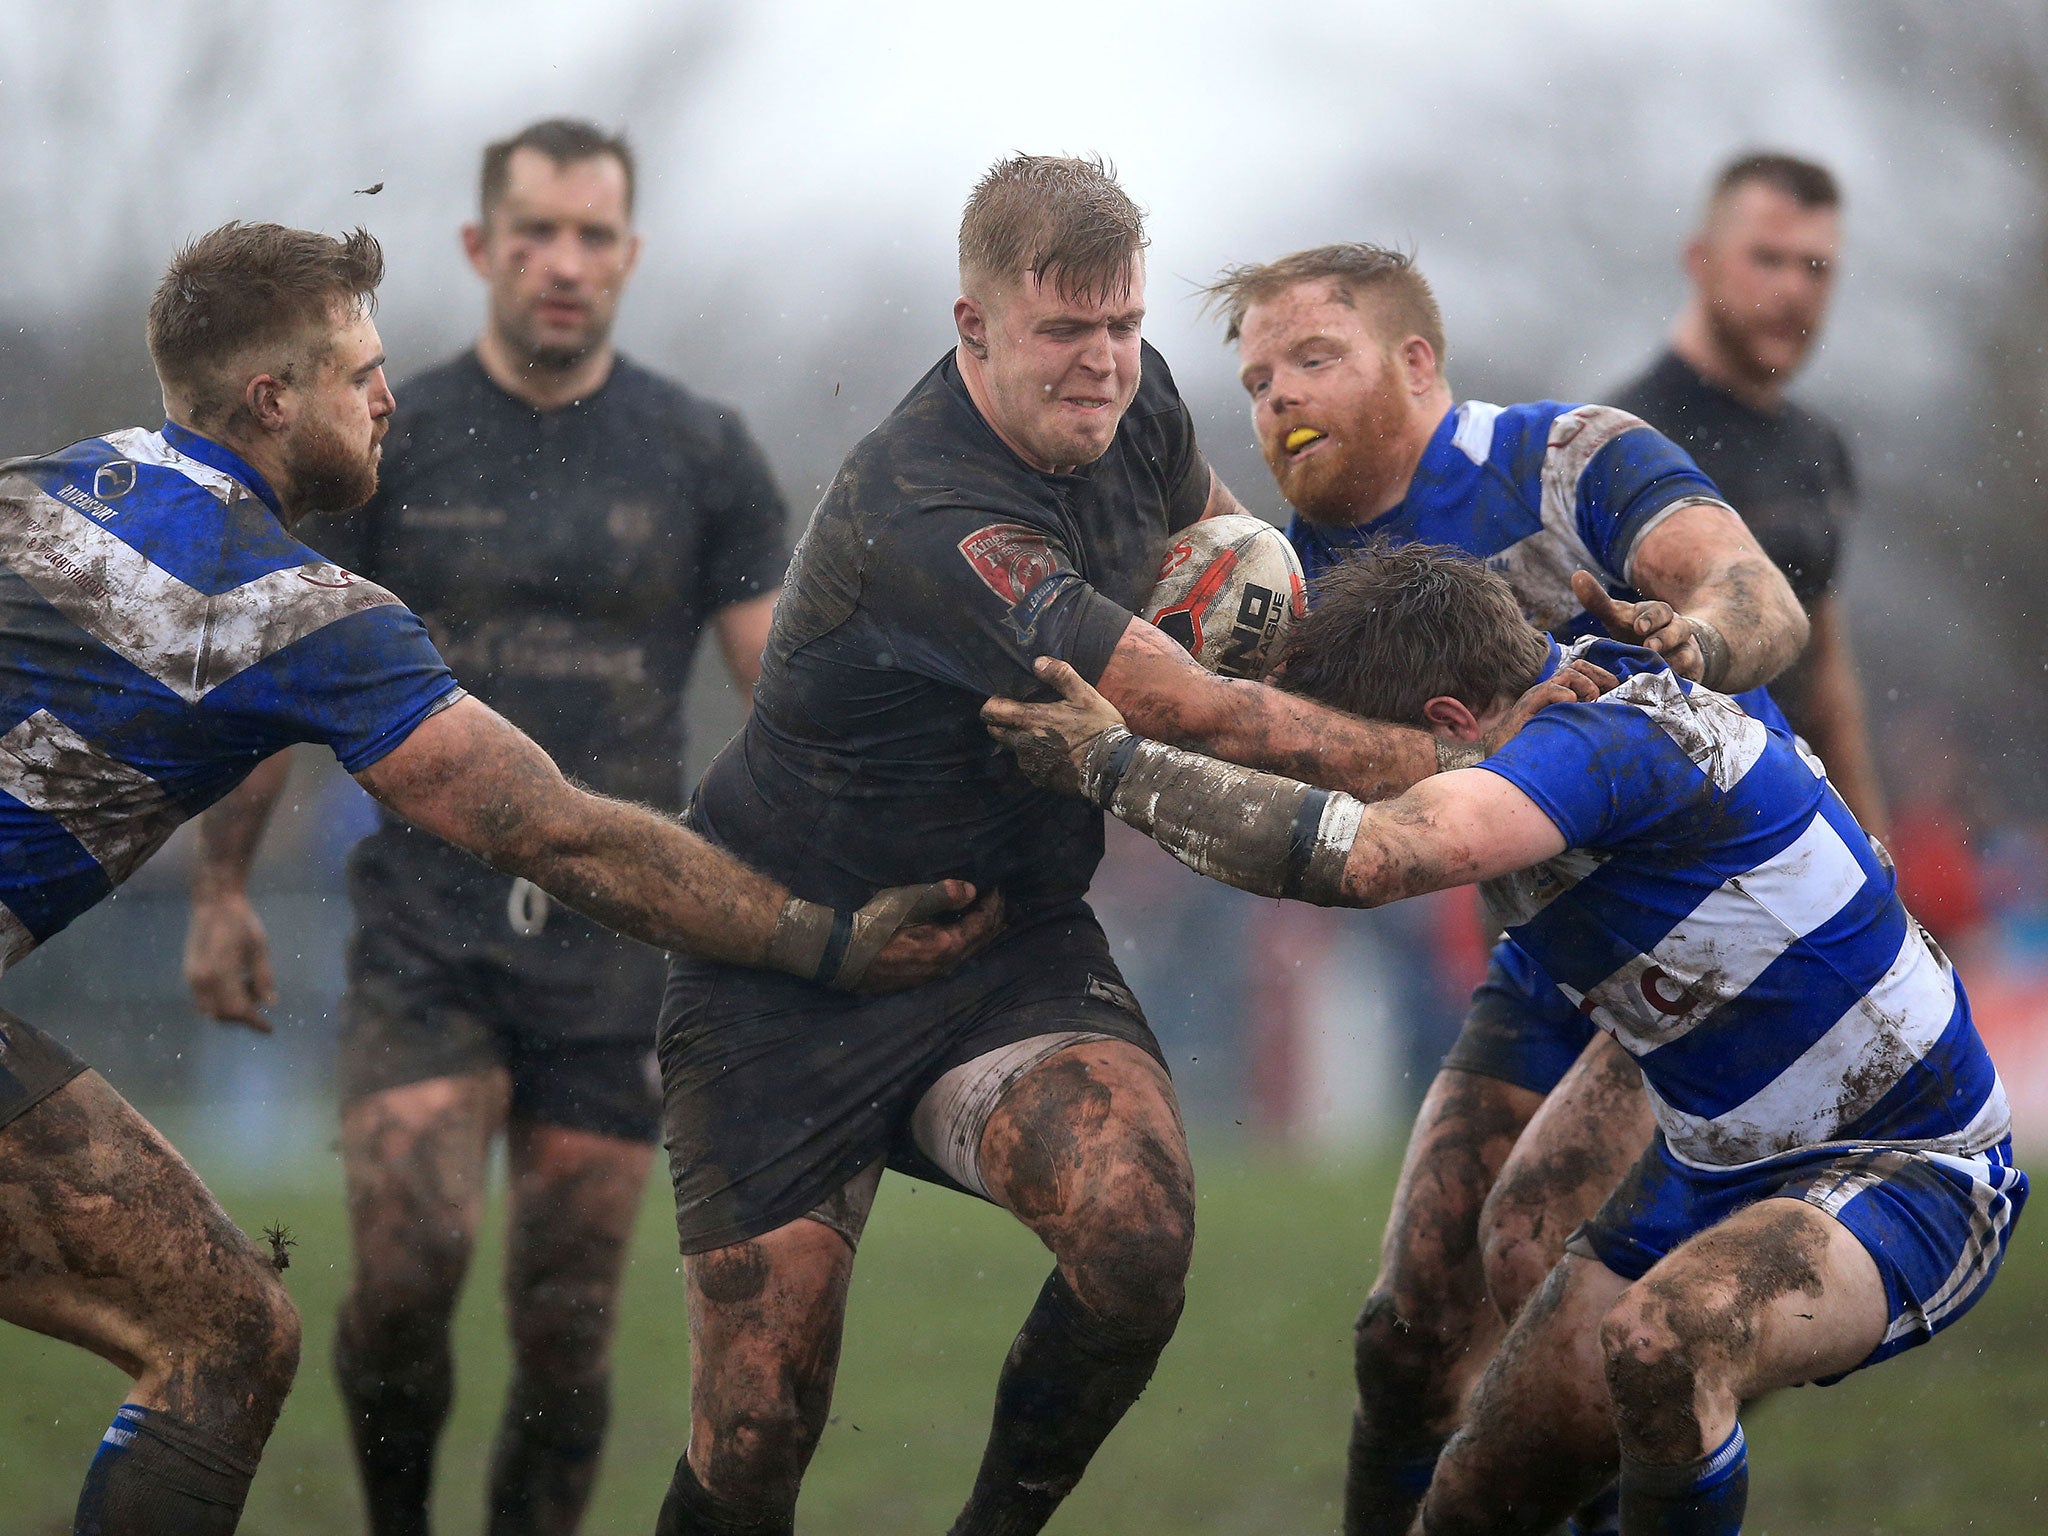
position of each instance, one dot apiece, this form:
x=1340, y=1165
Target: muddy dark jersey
x=937, y=567
x=1787, y=472
x=566, y=561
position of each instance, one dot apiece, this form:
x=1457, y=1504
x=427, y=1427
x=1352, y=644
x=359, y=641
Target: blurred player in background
x=1016, y=504
x=568, y=524
x=164, y=633
x=1831, y=1181
x=1341, y=350
x=1762, y=267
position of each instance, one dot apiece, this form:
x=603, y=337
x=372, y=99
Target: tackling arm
x=1719, y=611
x=467, y=775
x=1164, y=695
x=1267, y=834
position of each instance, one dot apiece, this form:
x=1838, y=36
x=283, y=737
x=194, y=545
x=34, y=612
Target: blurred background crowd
x=802, y=168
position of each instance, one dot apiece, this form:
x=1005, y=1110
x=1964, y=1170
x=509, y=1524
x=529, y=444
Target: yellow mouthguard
x=1301, y=437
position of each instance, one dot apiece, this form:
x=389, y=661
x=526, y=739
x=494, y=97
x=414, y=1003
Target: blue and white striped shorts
x=1936, y=1224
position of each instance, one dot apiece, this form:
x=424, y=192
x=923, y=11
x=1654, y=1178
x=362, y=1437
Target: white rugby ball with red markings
x=1229, y=590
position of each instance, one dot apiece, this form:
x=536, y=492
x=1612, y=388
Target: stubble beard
x=537, y=356
x=328, y=474
x=1732, y=337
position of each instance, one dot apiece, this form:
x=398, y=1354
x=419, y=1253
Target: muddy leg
x=111, y=1242
x=1086, y=1149
x=1428, y=1328
x=574, y=1196
x=765, y=1323
x=416, y=1158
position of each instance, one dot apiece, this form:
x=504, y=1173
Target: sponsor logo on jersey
x=91, y=506
x=1010, y=559
x=115, y=480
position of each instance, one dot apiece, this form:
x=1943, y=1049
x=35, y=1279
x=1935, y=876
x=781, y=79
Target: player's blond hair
x=243, y=287
x=1062, y=219
x=1388, y=280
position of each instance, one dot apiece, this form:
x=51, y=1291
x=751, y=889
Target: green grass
x=1242, y=1431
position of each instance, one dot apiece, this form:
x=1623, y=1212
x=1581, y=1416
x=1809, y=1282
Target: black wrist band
x=1301, y=841
x=835, y=947
x=1113, y=769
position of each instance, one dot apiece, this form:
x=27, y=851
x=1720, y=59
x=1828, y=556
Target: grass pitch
x=1242, y=1431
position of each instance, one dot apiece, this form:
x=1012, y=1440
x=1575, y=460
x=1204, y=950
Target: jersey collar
x=228, y=462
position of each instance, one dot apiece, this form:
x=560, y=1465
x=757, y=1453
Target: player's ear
x=476, y=246
x=1418, y=365
x=1451, y=716
x=1696, y=257
x=970, y=319
x=263, y=400
x=632, y=255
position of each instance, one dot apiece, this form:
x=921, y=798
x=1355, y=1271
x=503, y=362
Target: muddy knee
x=1517, y=1249
x=1653, y=1377
x=227, y=1366
x=1127, y=1256
x=1405, y=1362
x=755, y=1458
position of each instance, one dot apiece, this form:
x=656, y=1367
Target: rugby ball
x=1229, y=590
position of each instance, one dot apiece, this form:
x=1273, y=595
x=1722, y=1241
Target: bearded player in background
x=568, y=524
x=1341, y=351
x=1762, y=268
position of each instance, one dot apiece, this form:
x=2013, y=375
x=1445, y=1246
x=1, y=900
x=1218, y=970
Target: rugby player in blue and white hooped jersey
x=1341, y=350
x=1830, y=1180
x=161, y=633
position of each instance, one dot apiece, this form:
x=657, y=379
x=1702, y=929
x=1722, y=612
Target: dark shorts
x=1937, y=1225
x=440, y=984
x=776, y=1092
x=32, y=1067
x=1520, y=1029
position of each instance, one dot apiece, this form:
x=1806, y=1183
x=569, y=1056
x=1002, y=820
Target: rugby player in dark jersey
x=1015, y=505
x=1340, y=349
x=1762, y=267
x=161, y=633
x=567, y=524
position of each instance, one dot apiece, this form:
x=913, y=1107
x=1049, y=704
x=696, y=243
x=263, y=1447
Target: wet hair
x=1062, y=219
x=1372, y=273
x=1395, y=625
x=565, y=141
x=1807, y=183
x=245, y=286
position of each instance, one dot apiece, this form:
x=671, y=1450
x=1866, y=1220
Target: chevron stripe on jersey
x=160, y=634
x=1721, y=914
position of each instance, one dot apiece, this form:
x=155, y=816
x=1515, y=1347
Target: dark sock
x=545, y=1461
x=1070, y=1377
x=158, y=1476
x=1600, y=1515
x=1383, y=1487
x=689, y=1510
x=396, y=1406
x=1701, y=1498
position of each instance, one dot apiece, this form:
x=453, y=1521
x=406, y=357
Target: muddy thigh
x=1574, y=1151
x=109, y=1240
x=1087, y=1150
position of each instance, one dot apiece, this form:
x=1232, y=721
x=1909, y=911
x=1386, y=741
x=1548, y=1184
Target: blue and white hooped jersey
x=1720, y=912
x=161, y=634
x=1537, y=491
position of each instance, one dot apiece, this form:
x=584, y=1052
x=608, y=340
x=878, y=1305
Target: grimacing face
x=1329, y=401
x=1060, y=370
x=343, y=408
x=555, y=255
x=1765, y=269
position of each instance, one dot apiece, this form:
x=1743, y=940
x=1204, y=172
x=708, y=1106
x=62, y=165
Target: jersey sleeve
x=744, y=551
x=359, y=685
x=967, y=598
x=1171, y=430
x=1604, y=773
x=1625, y=477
